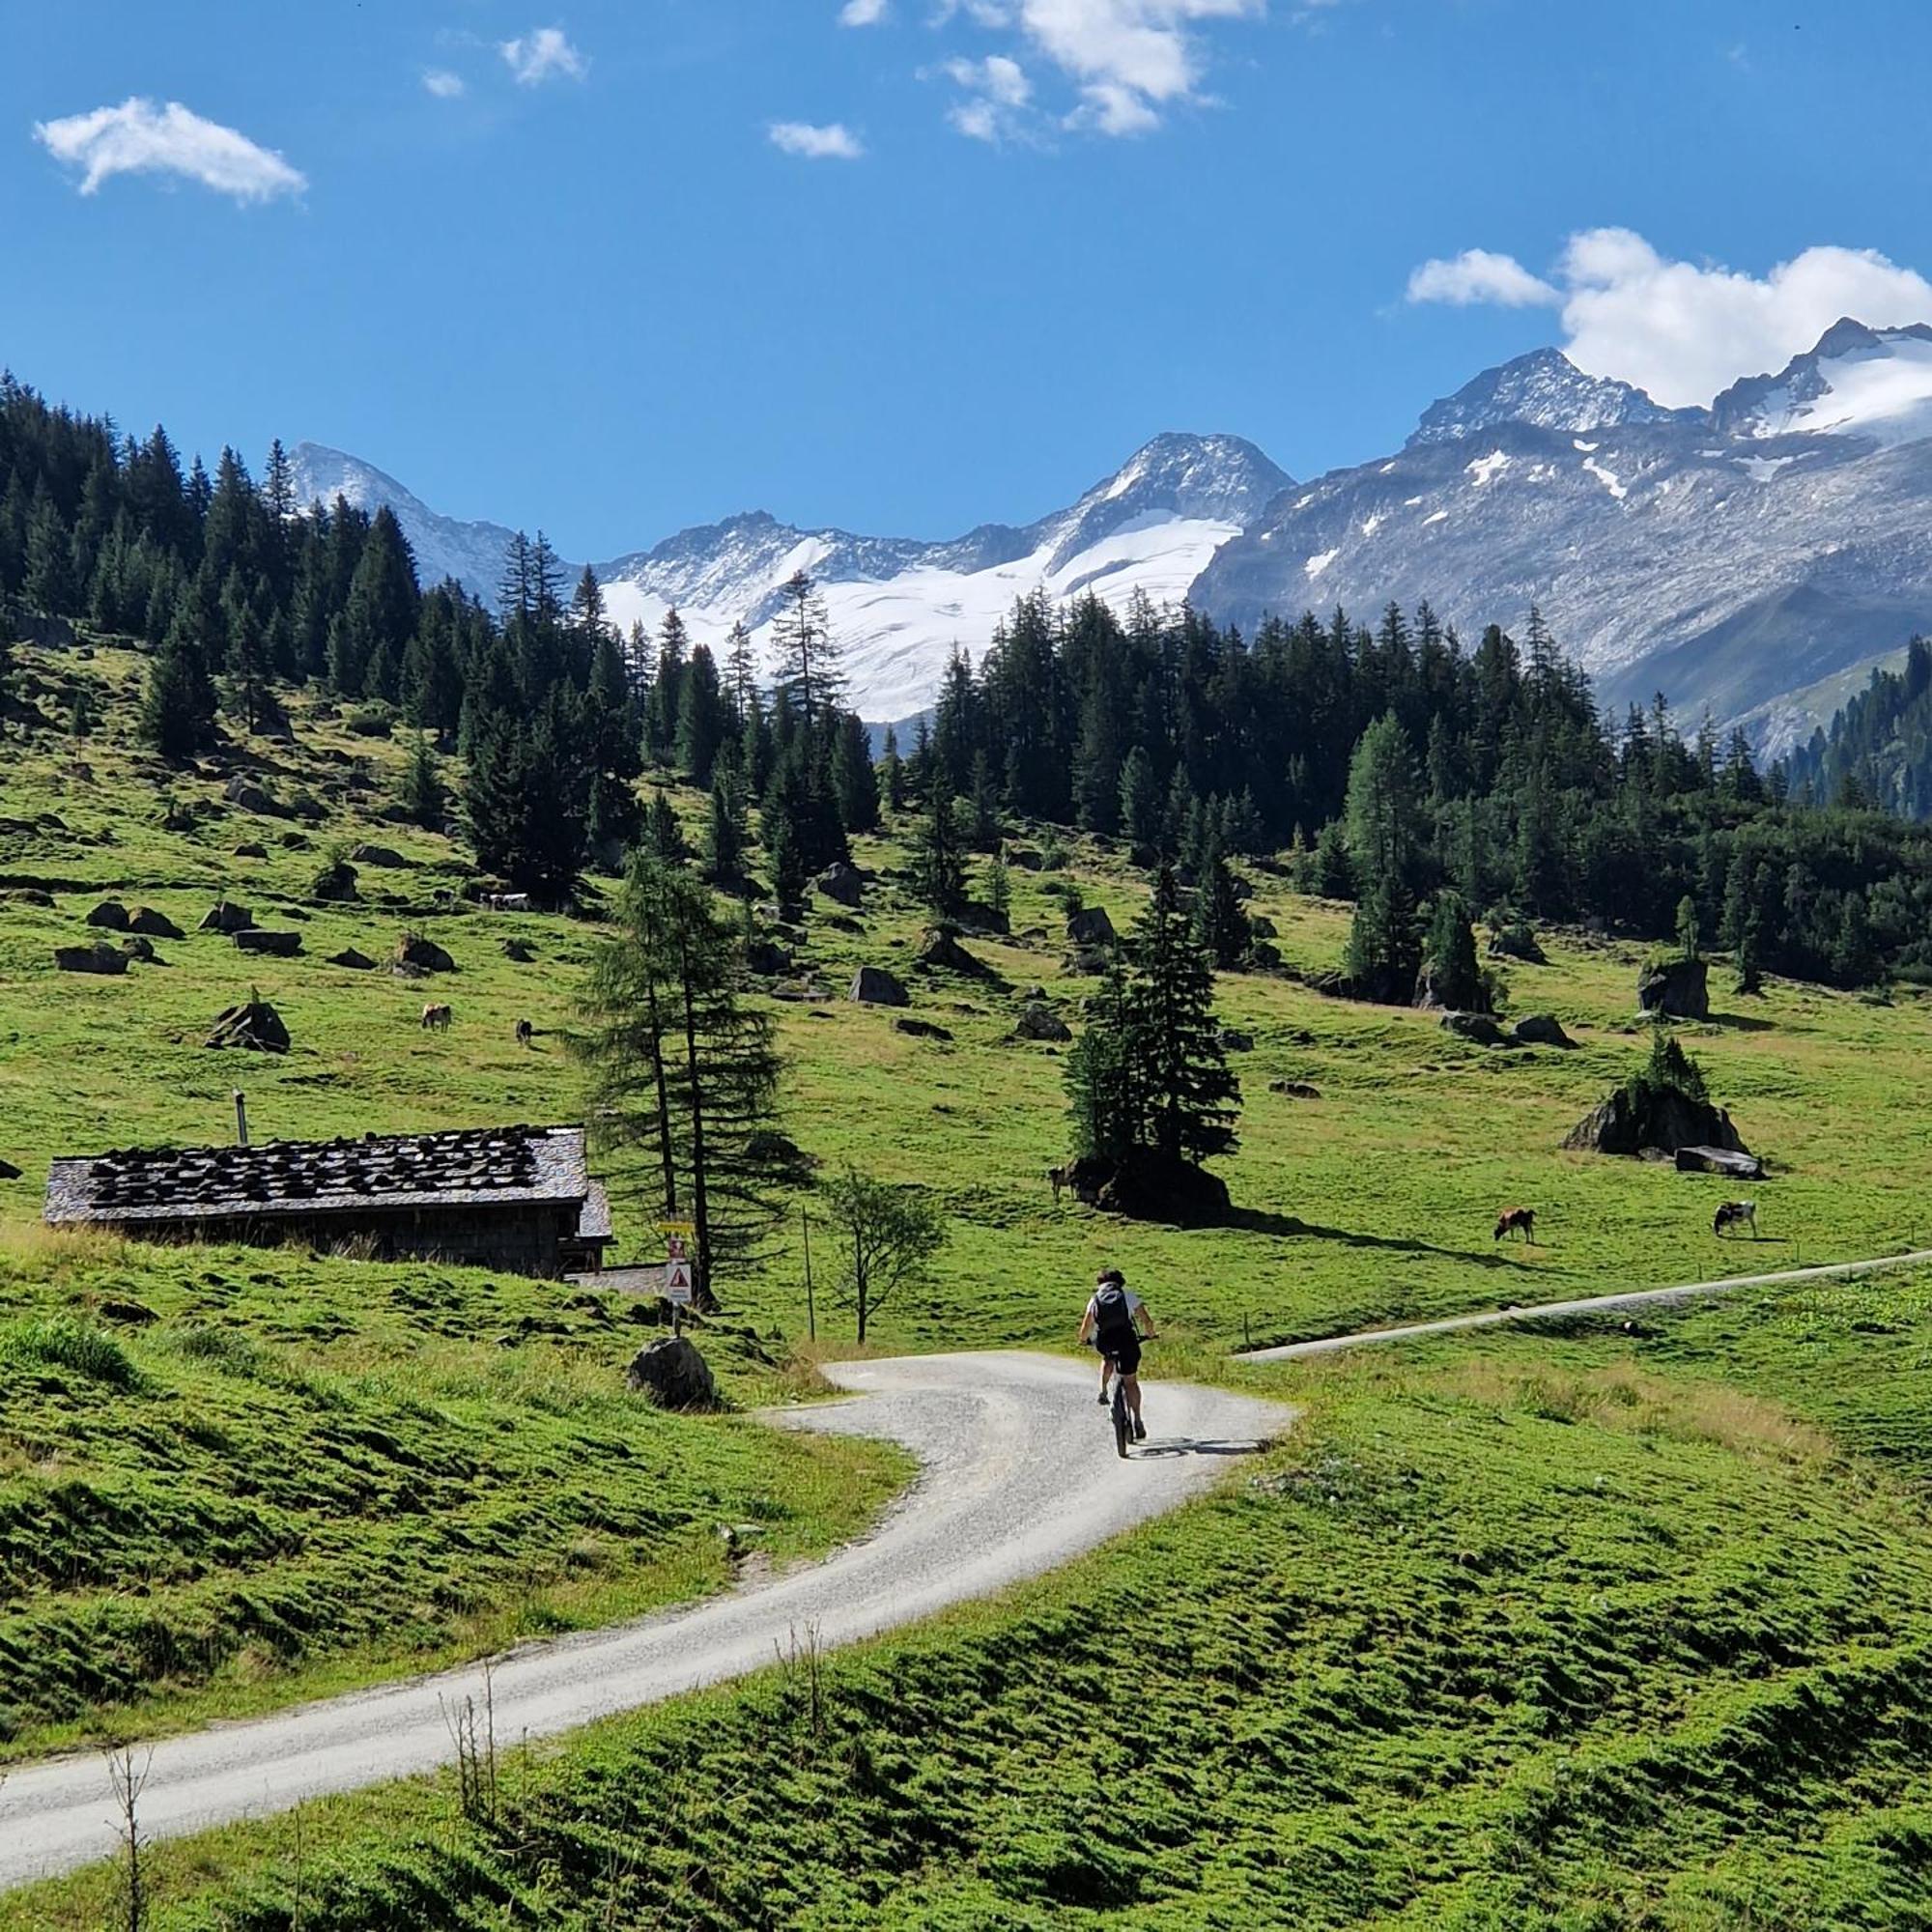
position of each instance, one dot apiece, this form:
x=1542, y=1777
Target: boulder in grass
x=1477, y=1027
x=1677, y=987
x=276, y=945
x=920, y=1029
x=1295, y=1089
x=8, y=1170
x=250, y=848
x=356, y=963
x=519, y=949
x=156, y=924
x=226, y=917
x=672, y=1373
x=95, y=958
x=1041, y=1022
x=1232, y=1039
x=1090, y=927
x=1540, y=1030
x=1726, y=1161
x=423, y=956
x=110, y=914
x=378, y=855
x=247, y=796
x=254, y=1025
x=33, y=896
x=139, y=945
x=336, y=883
x=939, y=946
x=767, y=958
x=842, y=884
x=874, y=986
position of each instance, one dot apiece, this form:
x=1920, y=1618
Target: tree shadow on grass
x=1258, y=1221
x=1742, y=1023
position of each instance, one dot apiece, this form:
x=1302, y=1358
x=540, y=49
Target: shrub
x=371, y=721
x=63, y=1343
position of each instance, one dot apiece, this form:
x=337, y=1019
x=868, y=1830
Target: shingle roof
x=473, y=1167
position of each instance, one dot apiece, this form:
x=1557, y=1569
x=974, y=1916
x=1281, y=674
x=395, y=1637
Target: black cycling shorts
x=1124, y=1353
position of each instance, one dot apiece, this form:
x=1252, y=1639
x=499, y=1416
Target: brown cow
x=1517, y=1221
x=526, y=1033
x=436, y=1018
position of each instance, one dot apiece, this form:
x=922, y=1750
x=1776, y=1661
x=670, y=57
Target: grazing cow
x=1735, y=1214
x=1517, y=1221
x=526, y=1033
x=1059, y=1178
x=436, y=1018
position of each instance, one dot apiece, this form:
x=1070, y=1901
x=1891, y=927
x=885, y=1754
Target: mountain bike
x=1122, y=1416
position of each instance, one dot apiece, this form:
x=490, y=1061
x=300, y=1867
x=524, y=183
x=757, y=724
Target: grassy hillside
x=1538, y=1631
x=1581, y=1629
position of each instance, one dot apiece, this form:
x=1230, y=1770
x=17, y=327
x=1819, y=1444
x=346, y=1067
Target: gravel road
x=1019, y=1475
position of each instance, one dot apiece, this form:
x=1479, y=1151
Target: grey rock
x=920, y=1029
x=1038, y=1022
x=842, y=884
x=356, y=963
x=377, y=855
x=672, y=1373
x=1233, y=1040
x=1477, y=1027
x=1090, y=927
x=874, y=986
x=110, y=914
x=1677, y=987
x=276, y=945
x=227, y=916
x=424, y=955
x=95, y=958
x=254, y=1025
x=1540, y=1030
x=156, y=924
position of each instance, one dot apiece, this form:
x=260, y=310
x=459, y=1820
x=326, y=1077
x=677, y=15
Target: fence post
x=810, y=1306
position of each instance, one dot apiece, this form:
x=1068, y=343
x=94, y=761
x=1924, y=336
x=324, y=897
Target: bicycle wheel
x=1124, y=1427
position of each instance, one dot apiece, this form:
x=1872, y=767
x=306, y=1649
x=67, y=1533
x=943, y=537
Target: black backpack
x=1113, y=1318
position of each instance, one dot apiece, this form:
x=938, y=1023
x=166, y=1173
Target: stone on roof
x=481, y=1167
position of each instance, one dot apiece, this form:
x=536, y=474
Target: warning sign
x=677, y=1263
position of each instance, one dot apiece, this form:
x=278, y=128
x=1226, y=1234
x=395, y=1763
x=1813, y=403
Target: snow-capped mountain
x=1749, y=559
x=1546, y=391
x=1729, y=557
x=898, y=605
x=471, y=552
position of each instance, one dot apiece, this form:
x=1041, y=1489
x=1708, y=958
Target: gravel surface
x=1019, y=1475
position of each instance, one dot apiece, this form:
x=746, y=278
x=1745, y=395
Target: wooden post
x=810, y=1306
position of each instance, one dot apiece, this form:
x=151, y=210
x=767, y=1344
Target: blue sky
x=613, y=269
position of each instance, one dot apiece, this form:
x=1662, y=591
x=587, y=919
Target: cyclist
x=1116, y=1321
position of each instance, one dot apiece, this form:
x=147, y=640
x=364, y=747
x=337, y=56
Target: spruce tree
x=1381, y=831
x=702, y=719
x=422, y=794
x=1193, y=1095
x=891, y=772
x=684, y=1075
x=855, y=781
x=724, y=834
x=807, y=654
x=177, y=712
x=1449, y=965
x=664, y=836
x=983, y=820
x=1140, y=804
x=938, y=859
x=1220, y=922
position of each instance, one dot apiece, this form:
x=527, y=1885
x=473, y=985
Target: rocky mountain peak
x=1546, y=391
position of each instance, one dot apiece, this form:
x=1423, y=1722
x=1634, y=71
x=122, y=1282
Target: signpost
x=678, y=1279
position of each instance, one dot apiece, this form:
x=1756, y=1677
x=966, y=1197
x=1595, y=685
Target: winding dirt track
x=1595, y=1304
x=1019, y=1475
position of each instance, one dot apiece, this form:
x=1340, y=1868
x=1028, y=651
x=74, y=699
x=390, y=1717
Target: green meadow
x=1601, y=1626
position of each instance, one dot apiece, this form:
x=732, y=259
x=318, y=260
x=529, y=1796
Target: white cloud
x=1477, y=275
x=137, y=137
x=833, y=143
x=544, y=53
x=440, y=82
x=1130, y=58
x=864, y=13
x=1683, y=330
x=997, y=90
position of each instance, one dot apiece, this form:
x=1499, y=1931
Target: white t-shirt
x=1093, y=1304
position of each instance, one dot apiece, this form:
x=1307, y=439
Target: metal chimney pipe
x=240, y=1119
